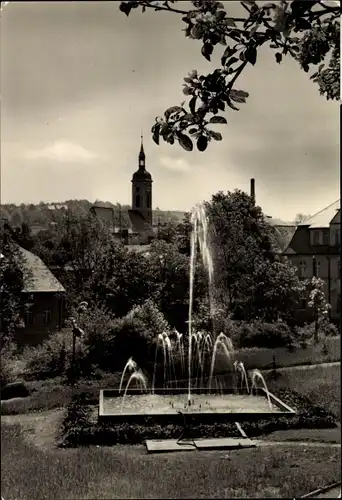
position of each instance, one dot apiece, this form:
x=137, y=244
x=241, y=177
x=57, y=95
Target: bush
x=131, y=340
x=306, y=333
x=52, y=358
x=77, y=421
x=258, y=334
x=8, y=365
x=98, y=326
x=152, y=318
x=136, y=335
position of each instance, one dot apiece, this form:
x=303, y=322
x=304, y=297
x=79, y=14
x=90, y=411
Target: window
x=318, y=268
x=47, y=315
x=141, y=163
x=137, y=189
x=337, y=238
x=148, y=201
x=302, y=268
x=338, y=266
x=326, y=238
x=302, y=300
x=137, y=201
x=316, y=237
x=28, y=318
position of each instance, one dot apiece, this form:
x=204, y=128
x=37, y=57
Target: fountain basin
x=167, y=406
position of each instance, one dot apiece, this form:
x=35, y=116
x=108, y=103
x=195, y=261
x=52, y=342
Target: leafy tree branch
x=308, y=31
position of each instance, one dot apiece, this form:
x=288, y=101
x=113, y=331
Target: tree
x=183, y=234
x=319, y=304
x=169, y=270
x=168, y=231
x=11, y=286
x=249, y=278
x=300, y=218
x=308, y=31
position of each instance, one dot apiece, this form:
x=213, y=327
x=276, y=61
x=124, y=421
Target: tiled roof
x=139, y=223
x=324, y=217
x=284, y=235
x=38, y=277
x=106, y=214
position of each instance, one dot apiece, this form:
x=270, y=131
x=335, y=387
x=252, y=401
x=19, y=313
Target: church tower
x=142, y=189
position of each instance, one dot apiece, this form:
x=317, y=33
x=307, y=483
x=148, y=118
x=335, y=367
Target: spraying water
x=200, y=235
x=257, y=375
x=130, y=366
x=136, y=375
x=240, y=367
x=225, y=344
x=191, y=293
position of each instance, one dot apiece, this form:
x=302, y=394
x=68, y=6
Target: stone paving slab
x=224, y=443
x=168, y=445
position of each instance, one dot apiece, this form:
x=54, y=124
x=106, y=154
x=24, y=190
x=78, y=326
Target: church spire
x=142, y=156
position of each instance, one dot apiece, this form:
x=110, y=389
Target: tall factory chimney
x=253, y=189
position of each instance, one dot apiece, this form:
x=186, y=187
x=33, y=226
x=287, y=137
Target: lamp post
x=314, y=274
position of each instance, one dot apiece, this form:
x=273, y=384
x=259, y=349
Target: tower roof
x=142, y=152
x=141, y=174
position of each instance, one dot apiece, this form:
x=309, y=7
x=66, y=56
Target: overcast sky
x=79, y=80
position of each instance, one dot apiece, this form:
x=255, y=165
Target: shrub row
x=109, y=342
x=79, y=429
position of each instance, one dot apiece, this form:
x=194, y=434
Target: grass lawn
x=29, y=470
x=322, y=385
x=262, y=358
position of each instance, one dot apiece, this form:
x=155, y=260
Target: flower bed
x=80, y=429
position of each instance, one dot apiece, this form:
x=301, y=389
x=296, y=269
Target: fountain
x=202, y=395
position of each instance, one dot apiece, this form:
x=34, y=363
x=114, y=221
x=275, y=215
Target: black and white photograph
x=170, y=249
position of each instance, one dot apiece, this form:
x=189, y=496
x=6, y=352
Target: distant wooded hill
x=40, y=216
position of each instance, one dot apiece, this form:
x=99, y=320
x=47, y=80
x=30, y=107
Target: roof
x=106, y=214
x=323, y=218
x=284, y=235
x=277, y=222
x=138, y=221
x=142, y=175
x=38, y=277
x=144, y=249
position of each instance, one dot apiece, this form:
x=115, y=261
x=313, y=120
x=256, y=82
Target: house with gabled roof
x=315, y=250
x=43, y=298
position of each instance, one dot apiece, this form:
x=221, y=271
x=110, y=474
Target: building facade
x=315, y=250
x=43, y=297
x=141, y=212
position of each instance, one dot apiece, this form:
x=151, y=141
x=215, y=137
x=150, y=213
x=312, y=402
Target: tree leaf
x=202, y=143
x=215, y=135
x=251, y=55
x=188, y=80
x=155, y=136
x=221, y=105
x=279, y=57
x=185, y=141
x=126, y=8
x=192, y=104
x=230, y=22
x=218, y=119
x=170, y=111
x=207, y=50
x=231, y=105
x=239, y=93
x=231, y=61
